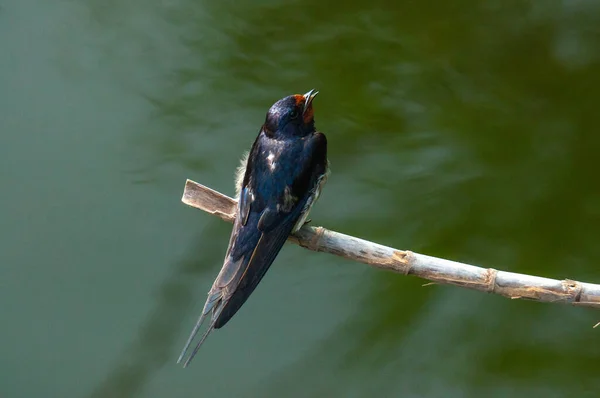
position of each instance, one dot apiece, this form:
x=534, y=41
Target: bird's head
x=291, y=116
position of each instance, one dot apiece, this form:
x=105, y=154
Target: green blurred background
x=466, y=130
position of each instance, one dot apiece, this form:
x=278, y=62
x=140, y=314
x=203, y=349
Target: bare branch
x=436, y=270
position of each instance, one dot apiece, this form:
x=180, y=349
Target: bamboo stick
x=437, y=270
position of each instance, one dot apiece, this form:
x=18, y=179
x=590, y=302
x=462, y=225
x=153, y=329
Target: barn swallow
x=276, y=185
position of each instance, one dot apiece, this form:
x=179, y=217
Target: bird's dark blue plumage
x=278, y=182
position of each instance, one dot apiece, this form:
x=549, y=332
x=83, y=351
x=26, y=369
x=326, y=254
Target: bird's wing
x=274, y=227
x=260, y=230
x=239, y=276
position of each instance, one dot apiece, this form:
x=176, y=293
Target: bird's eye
x=293, y=114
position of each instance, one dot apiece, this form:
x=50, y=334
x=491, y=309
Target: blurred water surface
x=466, y=130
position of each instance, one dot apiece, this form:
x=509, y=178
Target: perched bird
x=276, y=185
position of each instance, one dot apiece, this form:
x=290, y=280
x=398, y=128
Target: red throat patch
x=309, y=114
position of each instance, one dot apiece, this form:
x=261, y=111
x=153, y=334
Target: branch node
x=403, y=260
x=408, y=261
x=574, y=289
x=316, y=240
x=490, y=279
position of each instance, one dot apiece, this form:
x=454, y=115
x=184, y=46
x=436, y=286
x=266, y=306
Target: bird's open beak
x=308, y=98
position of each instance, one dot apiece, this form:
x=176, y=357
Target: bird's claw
x=307, y=221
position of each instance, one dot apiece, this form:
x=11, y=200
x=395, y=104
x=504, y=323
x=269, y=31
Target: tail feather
x=214, y=304
x=211, y=327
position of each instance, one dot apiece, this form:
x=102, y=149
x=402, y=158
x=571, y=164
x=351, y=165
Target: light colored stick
x=508, y=284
